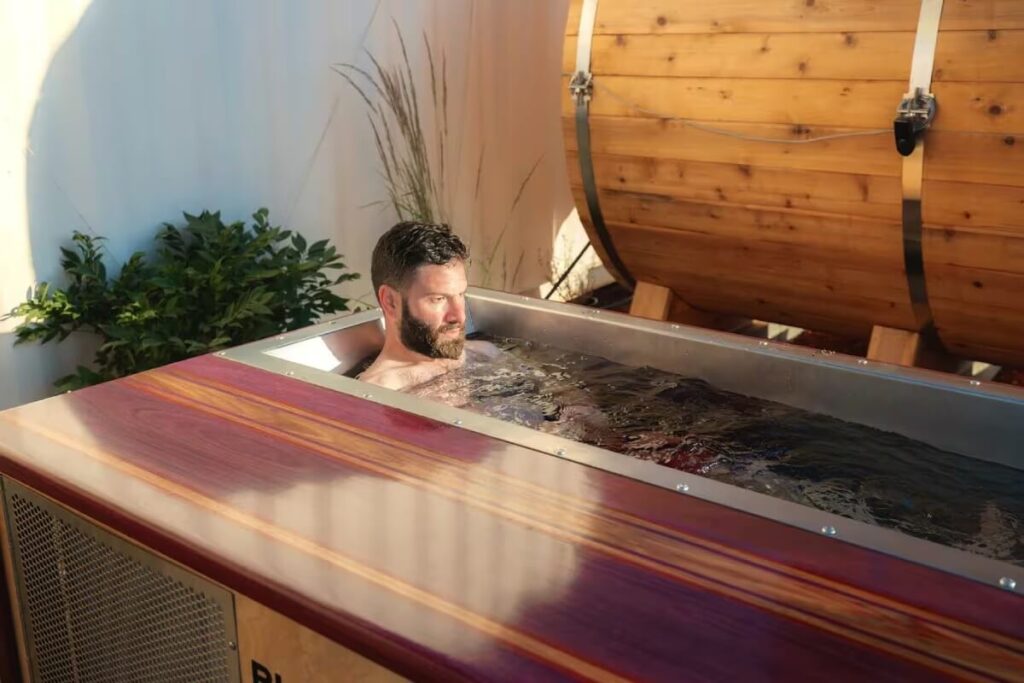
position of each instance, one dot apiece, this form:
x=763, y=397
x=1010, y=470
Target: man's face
x=434, y=311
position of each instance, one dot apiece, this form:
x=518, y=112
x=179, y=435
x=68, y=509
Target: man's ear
x=390, y=301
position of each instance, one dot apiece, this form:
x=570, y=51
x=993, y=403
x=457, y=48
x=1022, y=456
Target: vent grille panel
x=99, y=609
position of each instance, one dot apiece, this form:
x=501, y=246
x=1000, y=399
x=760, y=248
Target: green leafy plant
x=210, y=285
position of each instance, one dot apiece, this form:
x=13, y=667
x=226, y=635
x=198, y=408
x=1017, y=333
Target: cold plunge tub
x=322, y=529
x=980, y=420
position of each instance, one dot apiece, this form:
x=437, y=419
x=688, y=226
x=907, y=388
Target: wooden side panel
x=272, y=645
x=13, y=658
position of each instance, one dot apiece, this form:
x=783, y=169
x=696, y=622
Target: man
x=419, y=276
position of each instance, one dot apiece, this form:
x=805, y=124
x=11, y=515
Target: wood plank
x=790, y=16
x=781, y=307
x=1013, y=358
x=969, y=56
x=272, y=645
x=709, y=275
x=864, y=243
x=974, y=248
x=975, y=158
x=1000, y=292
x=643, y=137
x=779, y=188
x=966, y=107
x=961, y=157
x=947, y=203
x=898, y=347
x=716, y=260
x=980, y=334
x=863, y=56
x=973, y=205
x=852, y=104
x=14, y=663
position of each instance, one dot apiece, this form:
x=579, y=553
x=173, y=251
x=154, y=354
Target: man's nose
x=456, y=312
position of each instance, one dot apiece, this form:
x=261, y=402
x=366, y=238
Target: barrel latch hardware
x=913, y=117
x=581, y=86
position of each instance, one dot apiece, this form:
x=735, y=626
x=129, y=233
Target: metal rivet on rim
x=829, y=530
x=975, y=383
x=682, y=487
x=560, y=452
x=763, y=343
x=221, y=353
x=290, y=373
x=862, y=361
x=1007, y=583
x=232, y=644
x=367, y=395
x=279, y=337
x=457, y=422
x=675, y=327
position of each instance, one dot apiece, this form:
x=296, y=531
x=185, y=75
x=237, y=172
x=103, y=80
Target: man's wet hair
x=409, y=245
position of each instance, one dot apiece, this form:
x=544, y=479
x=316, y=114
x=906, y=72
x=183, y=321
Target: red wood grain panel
x=448, y=554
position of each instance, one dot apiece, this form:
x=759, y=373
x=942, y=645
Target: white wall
x=118, y=115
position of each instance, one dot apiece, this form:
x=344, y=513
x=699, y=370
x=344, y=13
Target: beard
x=418, y=336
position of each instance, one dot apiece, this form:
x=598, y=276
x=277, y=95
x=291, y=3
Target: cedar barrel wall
x=811, y=234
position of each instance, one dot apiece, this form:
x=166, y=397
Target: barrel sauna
x=809, y=234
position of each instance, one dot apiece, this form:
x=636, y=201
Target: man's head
x=419, y=275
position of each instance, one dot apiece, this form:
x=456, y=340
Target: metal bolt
x=829, y=530
x=560, y=452
x=290, y=373
x=975, y=383
x=1007, y=583
x=367, y=396
x=862, y=361
x=232, y=644
x=457, y=422
x=682, y=487
x=221, y=353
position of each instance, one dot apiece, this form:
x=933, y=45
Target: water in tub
x=847, y=469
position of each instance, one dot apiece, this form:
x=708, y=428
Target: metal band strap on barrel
x=581, y=87
x=913, y=117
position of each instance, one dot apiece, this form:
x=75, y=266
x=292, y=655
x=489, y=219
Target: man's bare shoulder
x=392, y=378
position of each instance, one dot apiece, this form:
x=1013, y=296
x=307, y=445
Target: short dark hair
x=409, y=245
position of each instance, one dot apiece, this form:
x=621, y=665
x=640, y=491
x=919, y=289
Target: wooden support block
x=13, y=655
x=660, y=303
x=651, y=301
x=911, y=349
x=274, y=648
x=899, y=347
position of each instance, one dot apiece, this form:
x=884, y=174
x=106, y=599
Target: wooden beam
x=899, y=347
x=651, y=301
x=658, y=302
x=910, y=349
